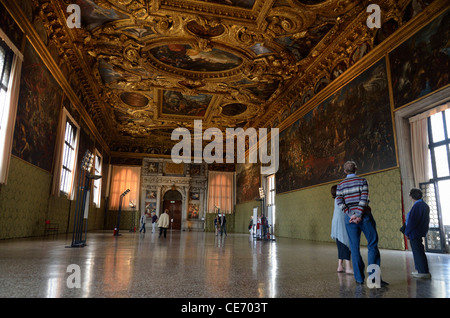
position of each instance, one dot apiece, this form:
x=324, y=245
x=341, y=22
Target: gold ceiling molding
x=253, y=17
x=25, y=25
x=346, y=36
x=376, y=53
x=141, y=68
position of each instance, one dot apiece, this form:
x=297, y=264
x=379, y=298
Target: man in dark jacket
x=417, y=222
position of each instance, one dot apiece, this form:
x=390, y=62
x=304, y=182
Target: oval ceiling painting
x=134, y=99
x=185, y=57
x=233, y=109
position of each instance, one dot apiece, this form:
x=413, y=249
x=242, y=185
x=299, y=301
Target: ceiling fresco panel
x=176, y=103
x=145, y=67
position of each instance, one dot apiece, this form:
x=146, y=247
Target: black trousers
x=420, y=259
x=161, y=230
x=343, y=251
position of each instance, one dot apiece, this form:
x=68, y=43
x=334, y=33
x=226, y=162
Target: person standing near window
x=417, y=223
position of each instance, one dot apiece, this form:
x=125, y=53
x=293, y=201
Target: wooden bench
x=51, y=228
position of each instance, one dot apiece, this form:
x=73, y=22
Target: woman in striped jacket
x=352, y=196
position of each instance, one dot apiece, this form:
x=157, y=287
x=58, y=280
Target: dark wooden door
x=174, y=207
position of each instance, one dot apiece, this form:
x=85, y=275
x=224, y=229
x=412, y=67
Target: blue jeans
x=368, y=227
x=420, y=259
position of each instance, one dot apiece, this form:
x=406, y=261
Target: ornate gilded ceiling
x=145, y=67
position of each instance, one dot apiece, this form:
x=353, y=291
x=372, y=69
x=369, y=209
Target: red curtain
x=124, y=178
x=220, y=191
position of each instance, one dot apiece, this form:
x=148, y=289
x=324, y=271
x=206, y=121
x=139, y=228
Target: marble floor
x=200, y=265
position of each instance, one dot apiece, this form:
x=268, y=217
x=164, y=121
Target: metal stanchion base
x=81, y=244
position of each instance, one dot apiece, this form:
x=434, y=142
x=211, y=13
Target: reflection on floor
x=198, y=264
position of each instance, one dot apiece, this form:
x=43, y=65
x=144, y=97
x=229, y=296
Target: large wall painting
x=248, y=181
x=355, y=123
x=421, y=64
x=39, y=104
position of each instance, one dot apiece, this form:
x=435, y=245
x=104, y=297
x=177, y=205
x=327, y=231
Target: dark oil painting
x=38, y=109
x=421, y=64
x=176, y=103
x=248, y=179
x=352, y=124
x=185, y=57
x=93, y=15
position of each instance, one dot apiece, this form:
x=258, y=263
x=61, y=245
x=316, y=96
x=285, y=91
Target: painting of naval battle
x=354, y=123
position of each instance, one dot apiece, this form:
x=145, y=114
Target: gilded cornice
x=284, y=61
x=31, y=34
x=355, y=34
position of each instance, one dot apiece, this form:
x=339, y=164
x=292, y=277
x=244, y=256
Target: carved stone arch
x=172, y=194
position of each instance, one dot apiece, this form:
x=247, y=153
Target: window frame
x=97, y=183
x=9, y=105
x=67, y=119
x=271, y=189
x=432, y=145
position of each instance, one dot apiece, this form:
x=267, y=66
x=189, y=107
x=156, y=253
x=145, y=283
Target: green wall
x=307, y=214
x=243, y=215
x=24, y=200
x=25, y=204
x=230, y=225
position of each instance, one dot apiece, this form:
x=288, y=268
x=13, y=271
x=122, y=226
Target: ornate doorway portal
x=173, y=202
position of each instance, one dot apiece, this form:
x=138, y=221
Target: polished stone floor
x=200, y=265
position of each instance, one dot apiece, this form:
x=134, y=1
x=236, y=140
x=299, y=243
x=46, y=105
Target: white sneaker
x=421, y=275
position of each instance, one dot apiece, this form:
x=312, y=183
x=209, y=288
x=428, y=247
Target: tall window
x=124, y=178
x=10, y=70
x=271, y=208
x=97, y=186
x=430, y=160
x=220, y=191
x=69, y=153
x=271, y=190
x=439, y=154
x=6, y=57
x=66, y=153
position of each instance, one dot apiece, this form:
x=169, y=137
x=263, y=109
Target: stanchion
x=83, y=189
x=116, y=233
x=133, y=216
